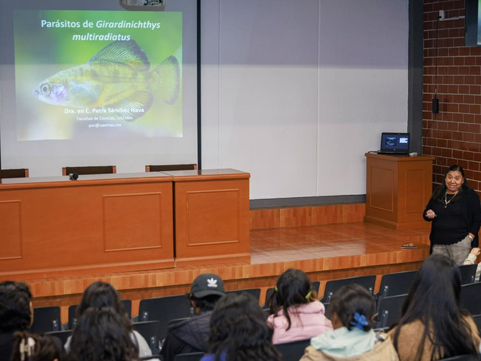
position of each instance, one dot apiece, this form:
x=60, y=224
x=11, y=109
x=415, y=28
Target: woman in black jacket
x=455, y=212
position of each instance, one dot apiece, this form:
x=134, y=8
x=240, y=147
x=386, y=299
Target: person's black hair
x=239, y=329
x=206, y=303
x=98, y=295
x=293, y=289
x=440, y=192
x=434, y=300
x=45, y=348
x=102, y=334
x=351, y=302
x=15, y=312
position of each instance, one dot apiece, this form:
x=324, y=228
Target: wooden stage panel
x=208, y=210
x=98, y=222
x=10, y=230
x=211, y=216
x=132, y=221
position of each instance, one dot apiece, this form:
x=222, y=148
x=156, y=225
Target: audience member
x=32, y=347
x=15, y=314
x=239, y=332
x=352, y=309
x=305, y=314
x=100, y=295
x=191, y=335
x=432, y=325
x=103, y=334
x=472, y=258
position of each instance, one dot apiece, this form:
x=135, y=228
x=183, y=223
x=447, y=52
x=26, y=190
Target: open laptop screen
x=395, y=143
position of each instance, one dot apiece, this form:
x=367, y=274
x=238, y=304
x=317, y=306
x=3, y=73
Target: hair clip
x=308, y=296
x=275, y=289
x=361, y=321
x=27, y=346
x=31, y=346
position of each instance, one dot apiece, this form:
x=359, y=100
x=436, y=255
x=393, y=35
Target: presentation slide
x=91, y=83
x=98, y=74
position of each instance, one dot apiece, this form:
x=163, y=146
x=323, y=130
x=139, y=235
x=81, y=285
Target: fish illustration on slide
x=117, y=77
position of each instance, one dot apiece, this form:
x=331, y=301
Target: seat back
x=150, y=331
x=332, y=286
x=46, y=319
x=61, y=335
x=469, y=298
x=389, y=310
x=254, y=292
x=395, y=284
x=292, y=351
x=164, y=309
x=468, y=273
x=107, y=169
x=193, y=356
x=72, y=313
x=169, y=167
x=14, y=173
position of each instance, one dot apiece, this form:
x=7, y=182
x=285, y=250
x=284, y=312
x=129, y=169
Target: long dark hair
x=98, y=295
x=434, y=300
x=352, y=302
x=102, y=334
x=293, y=289
x=238, y=328
x=44, y=348
x=440, y=192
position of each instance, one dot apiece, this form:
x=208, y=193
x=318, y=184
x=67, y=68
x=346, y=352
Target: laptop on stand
x=394, y=143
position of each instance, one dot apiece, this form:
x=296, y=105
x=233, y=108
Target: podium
x=397, y=190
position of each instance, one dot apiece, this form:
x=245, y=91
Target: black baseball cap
x=207, y=284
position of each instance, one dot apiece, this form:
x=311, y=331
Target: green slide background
x=42, y=52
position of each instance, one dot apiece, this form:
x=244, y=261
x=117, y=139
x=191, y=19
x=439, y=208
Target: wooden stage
x=324, y=252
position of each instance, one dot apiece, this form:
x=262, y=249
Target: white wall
x=296, y=92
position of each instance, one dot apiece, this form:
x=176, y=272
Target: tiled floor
x=336, y=240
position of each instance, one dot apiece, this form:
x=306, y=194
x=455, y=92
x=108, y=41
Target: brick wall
x=454, y=135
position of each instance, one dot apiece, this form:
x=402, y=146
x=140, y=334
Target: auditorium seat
x=394, y=284
x=46, y=319
x=469, y=298
x=150, y=331
x=389, y=310
x=293, y=351
x=164, y=309
x=332, y=286
x=468, y=273
x=169, y=167
x=107, y=169
x=14, y=173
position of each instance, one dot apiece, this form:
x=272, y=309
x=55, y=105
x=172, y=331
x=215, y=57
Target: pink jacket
x=307, y=323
